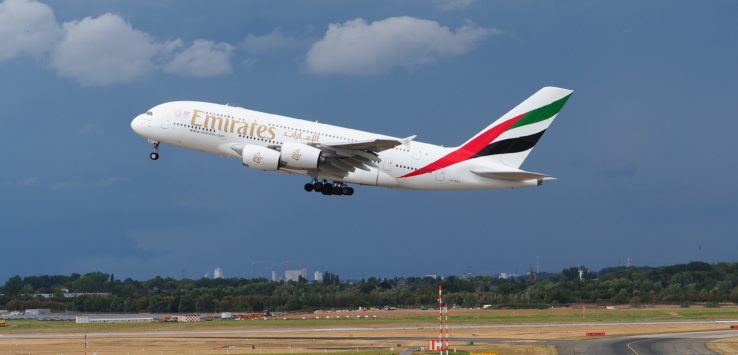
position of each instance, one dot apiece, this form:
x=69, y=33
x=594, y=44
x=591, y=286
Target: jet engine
x=258, y=157
x=300, y=156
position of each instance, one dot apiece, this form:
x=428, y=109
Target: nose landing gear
x=327, y=188
x=155, y=154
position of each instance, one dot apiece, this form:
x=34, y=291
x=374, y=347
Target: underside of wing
x=342, y=158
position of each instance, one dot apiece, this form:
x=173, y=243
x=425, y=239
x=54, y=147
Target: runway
x=674, y=343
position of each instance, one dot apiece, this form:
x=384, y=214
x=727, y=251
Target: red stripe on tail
x=468, y=150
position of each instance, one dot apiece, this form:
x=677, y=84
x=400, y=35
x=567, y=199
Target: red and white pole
x=440, y=316
x=446, y=342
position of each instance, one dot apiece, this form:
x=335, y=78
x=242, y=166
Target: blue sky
x=643, y=151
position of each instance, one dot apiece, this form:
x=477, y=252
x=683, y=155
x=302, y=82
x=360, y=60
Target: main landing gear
x=326, y=188
x=155, y=154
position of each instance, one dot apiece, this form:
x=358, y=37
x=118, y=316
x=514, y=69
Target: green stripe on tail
x=541, y=113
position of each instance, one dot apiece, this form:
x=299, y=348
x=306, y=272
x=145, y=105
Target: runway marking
x=631, y=348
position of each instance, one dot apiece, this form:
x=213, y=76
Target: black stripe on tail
x=512, y=145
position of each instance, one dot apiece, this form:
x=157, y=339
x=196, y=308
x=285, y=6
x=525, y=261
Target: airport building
x=294, y=275
x=88, y=320
x=38, y=312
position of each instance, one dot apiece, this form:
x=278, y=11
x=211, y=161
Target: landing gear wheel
x=336, y=190
x=318, y=186
x=155, y=154
x=350, y=191
x=309, y=187
x=345, y=190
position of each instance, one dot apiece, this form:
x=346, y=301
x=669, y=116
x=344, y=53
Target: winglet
x=407, y=140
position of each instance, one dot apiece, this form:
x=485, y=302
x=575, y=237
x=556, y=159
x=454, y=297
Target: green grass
x=602, y=316
x=360, y=352
x=480, y=317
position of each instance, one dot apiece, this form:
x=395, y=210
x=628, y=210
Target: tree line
x=675, y=284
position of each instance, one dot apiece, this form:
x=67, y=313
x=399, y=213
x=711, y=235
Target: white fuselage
x=183, y=124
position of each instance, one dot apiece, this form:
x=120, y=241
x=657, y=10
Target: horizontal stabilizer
x=514, y=175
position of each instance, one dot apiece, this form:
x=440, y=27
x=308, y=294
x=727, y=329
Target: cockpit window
x=149, y=113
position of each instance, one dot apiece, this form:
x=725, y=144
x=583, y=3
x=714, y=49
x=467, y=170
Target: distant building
x=503, y=275
x=318, y=276
x=87, y=319
x=218, y=273
x=581, y=271
x=294, y=275
x=38, y=312
x=274, y=276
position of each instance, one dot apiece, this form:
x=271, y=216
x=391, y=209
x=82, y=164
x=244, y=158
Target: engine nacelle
x=258, y=157
x=300, y=156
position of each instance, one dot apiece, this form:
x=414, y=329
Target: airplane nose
x=136, y=125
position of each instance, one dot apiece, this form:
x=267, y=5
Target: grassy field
x=284, y=343
x=224, y=344
x=356, y=335
x=403, y=317
x=724, y=346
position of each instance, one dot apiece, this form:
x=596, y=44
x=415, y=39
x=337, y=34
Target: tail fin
x=511, y=138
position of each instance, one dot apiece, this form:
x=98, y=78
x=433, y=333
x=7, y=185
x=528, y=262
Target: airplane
x=334, y=157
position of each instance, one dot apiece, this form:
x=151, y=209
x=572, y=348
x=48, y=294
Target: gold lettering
x=212, y=120
x=233, y=123
x=272, y=133
x=195, y=115
x=244, y=129
x=253, y=125
x=261, y=131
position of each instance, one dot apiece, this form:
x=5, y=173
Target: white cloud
x=105, y=50
x=26, y=28
x=360, y=48
x=271, y=42
x=29, y=181
x=449, y=5
x=203, y=59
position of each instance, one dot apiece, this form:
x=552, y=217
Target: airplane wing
x=342, y=158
